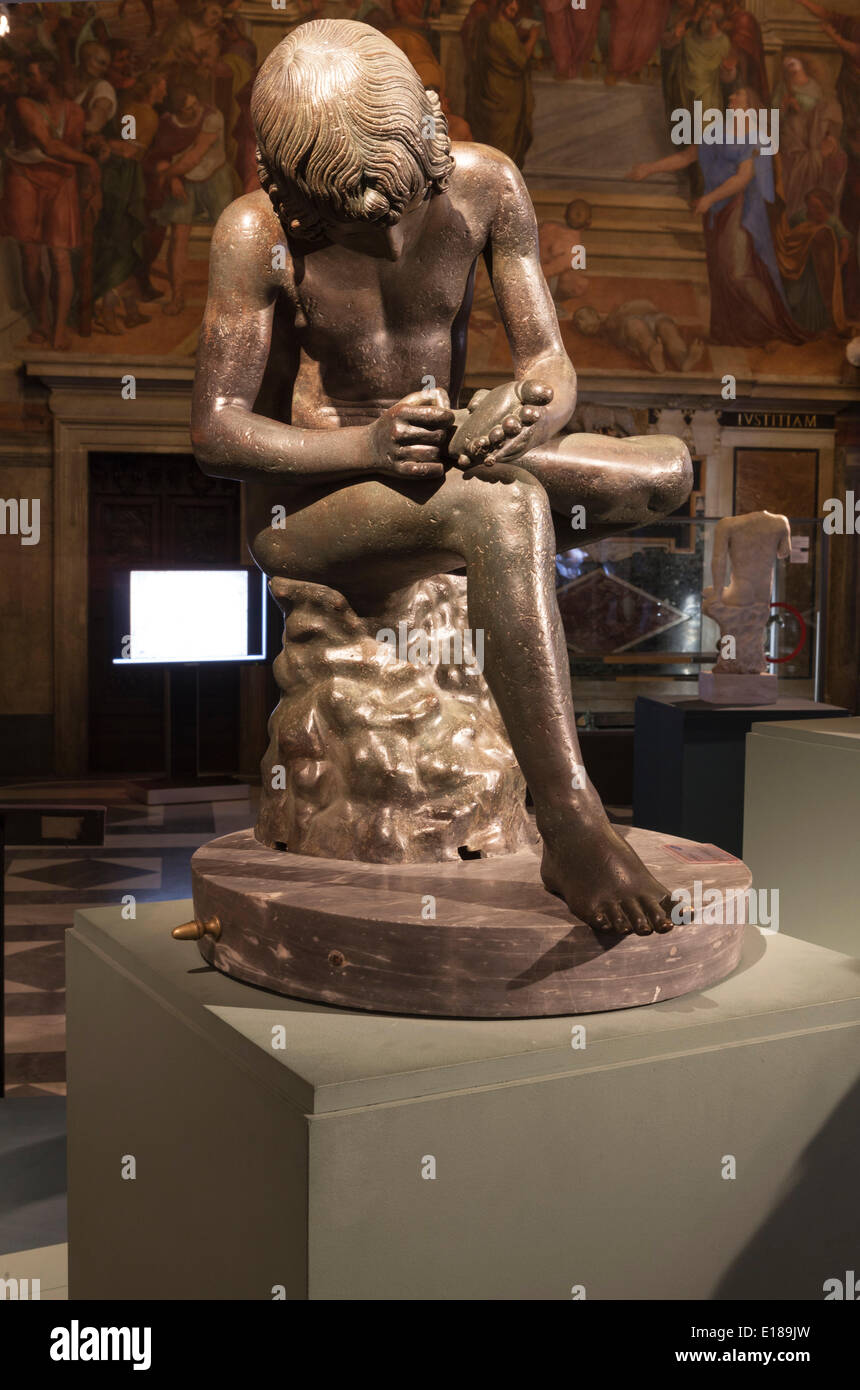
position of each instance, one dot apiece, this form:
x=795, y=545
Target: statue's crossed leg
x=374, y=537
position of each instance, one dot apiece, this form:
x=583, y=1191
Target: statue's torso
x=354, y=333
x=371, y=331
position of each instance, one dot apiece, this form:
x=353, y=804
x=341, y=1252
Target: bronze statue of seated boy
x=332, y=351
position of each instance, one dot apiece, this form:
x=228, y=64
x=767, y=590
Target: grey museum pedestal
x=556, y=1167
x=802, y=809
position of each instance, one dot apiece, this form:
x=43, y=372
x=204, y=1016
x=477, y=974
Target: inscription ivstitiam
x=775, y=420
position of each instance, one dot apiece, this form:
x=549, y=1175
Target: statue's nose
x=394, y=243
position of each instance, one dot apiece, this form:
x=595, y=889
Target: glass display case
x=632, y=605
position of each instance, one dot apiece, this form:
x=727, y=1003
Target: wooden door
x=155, y=510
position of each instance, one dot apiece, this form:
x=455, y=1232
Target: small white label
x=799, y=550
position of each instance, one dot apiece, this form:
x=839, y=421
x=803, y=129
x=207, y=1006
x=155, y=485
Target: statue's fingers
x=407, y=468
x=434, y=397
x=419, y=453
x=425, y=413
x=414, y=434
x=535, y=393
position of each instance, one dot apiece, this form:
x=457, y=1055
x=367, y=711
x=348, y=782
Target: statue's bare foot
x=604, y=883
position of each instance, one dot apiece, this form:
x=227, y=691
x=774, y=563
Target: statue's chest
x=421, y=294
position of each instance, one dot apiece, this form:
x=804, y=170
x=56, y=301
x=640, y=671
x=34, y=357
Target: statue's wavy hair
x=344, y=124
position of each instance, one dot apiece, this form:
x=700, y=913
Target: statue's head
x=346, y=133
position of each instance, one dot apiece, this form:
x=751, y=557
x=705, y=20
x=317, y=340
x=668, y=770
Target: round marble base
x=478, y=939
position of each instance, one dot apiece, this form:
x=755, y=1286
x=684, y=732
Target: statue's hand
x=410, y=439
x=502, y=424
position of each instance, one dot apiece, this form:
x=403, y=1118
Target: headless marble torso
x=750, y=545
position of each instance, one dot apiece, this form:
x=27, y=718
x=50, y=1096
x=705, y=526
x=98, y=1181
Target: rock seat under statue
x=376, y=757
x=394, y=866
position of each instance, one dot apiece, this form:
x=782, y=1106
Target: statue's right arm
x=229, y=439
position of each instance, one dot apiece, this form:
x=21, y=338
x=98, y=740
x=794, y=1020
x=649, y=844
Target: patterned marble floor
x=146, y=853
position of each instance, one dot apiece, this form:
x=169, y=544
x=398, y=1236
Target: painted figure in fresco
x=560, y=247
x=94, y=29
x=810, y=130
x=648, y=334
x=499, y=100
x=217, y=79
x=409, y=32
x=681, y=15
x=10, y=90
x=811, y=250
x=635, y=28
x=705, y=59
x=42, y=196
x=747, y=42
x=143, y=103
x=844, y=30
x=94, y=93
x=148, y=5
x=236, y=34
x=116, y=239
x=748, y=303
x=572, y=34
x=369, y=12
x=189, y=166
x=470, y=29
x=377, y=483
x=120, y=73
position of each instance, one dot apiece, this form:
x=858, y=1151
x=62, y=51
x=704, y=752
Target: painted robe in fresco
x=748, y=304
x=501, y=99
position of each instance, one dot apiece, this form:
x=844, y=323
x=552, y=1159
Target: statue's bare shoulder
x=244, y=241
x=491, y=184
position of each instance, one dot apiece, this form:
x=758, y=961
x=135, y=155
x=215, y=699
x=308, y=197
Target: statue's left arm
x=545, y=381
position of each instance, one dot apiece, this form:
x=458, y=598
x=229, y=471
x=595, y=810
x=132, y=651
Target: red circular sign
x=780, y=660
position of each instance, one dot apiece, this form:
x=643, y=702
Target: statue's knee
x=672, y=482
x=516, y=505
